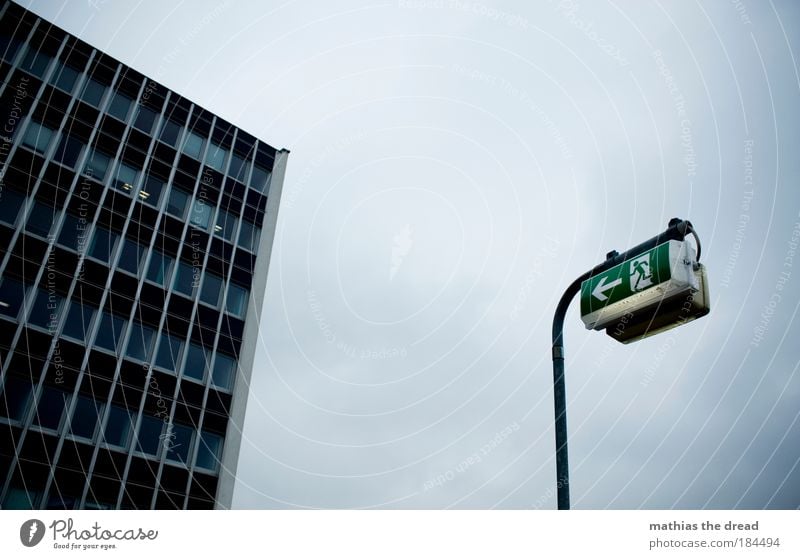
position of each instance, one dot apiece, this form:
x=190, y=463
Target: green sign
x=623, y=280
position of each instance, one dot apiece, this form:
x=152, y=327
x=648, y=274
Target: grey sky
x=454, y=165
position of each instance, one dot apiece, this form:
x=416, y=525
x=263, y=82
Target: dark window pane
x=144, y=119
x=201, y=214
x=226, y=225
x=37, y=137
x=170, y=132
x=68, y=151
x=84, y=418
x=216, y=157
x=131, y=258
x=248, y=236
x=193, y=145
x=120, y=105
x=141, y=342
x=209, y=451
x=12, y=295
x=102, y=244
x=51, y=407
x=79, y=320
x=10, y=203
x=178, y=440
x=18, y=498
x=186, y=279
x=160, y=268
x=97, y=165
x=178, y=200
x=149, y=435
x=40, y=220
x=151, y=191
x=224, y=371
x=118, y=428
x=169, y=352
x=239, y=168
x=260, y=179
x=109, y=335
x=92, y=92
x=16, y=398
x=46, y=309
x=196, y=362
x=72, y=232
x=64, y=78
x=212, y=287
x=236, y=304
x=35, y=62
x=126, y=178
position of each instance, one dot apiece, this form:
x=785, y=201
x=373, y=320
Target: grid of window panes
x=130, y=220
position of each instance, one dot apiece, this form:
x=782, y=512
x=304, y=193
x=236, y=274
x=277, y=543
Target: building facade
x=135, y=236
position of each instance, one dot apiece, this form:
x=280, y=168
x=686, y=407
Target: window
x=126, y=177
x=141, y=343
x=92, y=92
x=169, y=352
x=12, y=296
x=131, y=257
x=19, y=498
x=249, y=236
x=79, y=321
x=151, y=191
x=196, y=362
x=51, y=407
x=178, y=200
x=169, y=133
x=212, y=287
x=236, y=304
x=46, y=309
x=37, y=137
x=97, y=165
x=16, y=398
x=260, y=179
x=145, y=118
x=216, y=157
x=109, y=335
x=224, y=371
x=35, y=62
x=160, y=268
x=68, y=151
x=149, y=435
x=186, y=279
x=72, y=232
x=102, y=245
x=201, y=214
x=120, y=106
x=178, y=441
x=240, y=168
x=226, y=225
x=84, y=418
x=118, y=428
x=209, y=451
x=40, y=220
x=64, y=77
x=193, y=145
x=10, y=203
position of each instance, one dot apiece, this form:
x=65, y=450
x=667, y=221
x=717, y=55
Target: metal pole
x=676, y=229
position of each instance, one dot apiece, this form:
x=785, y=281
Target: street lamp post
x=676, y=231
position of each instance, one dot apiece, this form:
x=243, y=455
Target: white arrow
x=600, y=289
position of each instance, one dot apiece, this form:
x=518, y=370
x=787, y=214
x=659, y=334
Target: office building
x=135, y=237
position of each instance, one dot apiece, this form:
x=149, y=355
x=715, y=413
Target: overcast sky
x=454, y=165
